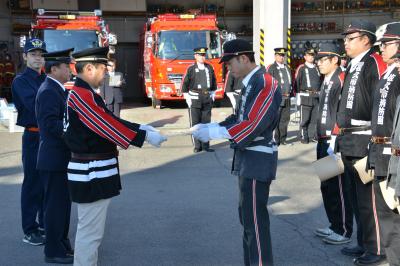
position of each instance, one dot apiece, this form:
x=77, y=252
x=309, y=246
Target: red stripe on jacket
x=257, y=111
x=381, y=66
x=114, y=130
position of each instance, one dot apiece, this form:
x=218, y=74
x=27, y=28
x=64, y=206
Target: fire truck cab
x=167, y=44
x=66, y=29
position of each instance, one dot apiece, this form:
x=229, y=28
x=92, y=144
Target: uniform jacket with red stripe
x=251, y=128
x=89, y=127
x=356, y=102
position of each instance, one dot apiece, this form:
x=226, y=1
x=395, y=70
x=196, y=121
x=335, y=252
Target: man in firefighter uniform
x=250, y=131
x=337, y=201
x=92, y=133
x=199, y=86
x=354, y=123
x=308, y=82
x=383, y=114
x=281, y=72
x=24, y=90
x=53, y=156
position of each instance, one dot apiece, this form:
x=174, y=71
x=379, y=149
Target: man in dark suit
x=53, y=157
x=111, y=90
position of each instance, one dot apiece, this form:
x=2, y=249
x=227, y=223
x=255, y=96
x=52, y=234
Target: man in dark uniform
x=233, y=87
x=383, y=114
x=92, y=133
x=24, y=90
x=354, y=122
x=308, y=82
x=250, y=131
x=111, y=90
x=53, y=157
x=281, y=72
x=198, y=87
x=337, y=201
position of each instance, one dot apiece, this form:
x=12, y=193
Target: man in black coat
x=199, y=86
x=53, y=157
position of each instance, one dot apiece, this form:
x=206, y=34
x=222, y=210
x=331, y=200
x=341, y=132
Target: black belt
x=94, y=156
x=345, y=130
x=201, y=91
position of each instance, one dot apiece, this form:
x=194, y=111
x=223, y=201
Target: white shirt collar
x=200, y=66
x=389, y=70
x=358, y=58
x=280, y=65
x=246, y=80
x=59, y=83
x=310, y=65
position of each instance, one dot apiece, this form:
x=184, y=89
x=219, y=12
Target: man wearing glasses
x=385, y=115
x=354, y=128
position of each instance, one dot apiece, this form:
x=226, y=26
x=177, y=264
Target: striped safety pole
x=262, y=47
x=289, y=47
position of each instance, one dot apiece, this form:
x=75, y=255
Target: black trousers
x=253, y=215
x=367, y=214
x=32, y=192
x=336, y=198
x=308, y=121
x=199, y=115
x=389, y=225
x=57, y=213
x=115, y=108
x=284, y=118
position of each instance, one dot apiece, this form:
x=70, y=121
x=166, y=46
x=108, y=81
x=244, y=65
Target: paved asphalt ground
x=179, y=208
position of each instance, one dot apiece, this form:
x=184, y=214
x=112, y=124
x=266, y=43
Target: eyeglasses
x=383, y=45
x=349, y=39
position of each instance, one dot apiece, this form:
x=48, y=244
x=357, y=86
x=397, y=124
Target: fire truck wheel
x=155, y=103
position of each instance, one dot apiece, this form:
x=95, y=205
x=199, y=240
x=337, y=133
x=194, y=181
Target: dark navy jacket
x=24, y=90
x=51, y=99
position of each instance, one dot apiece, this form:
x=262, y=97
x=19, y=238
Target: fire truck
x=66, y=29
x=167, y=44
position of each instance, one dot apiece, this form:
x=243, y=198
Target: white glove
x=331, y=147
x=298, y=99
x=155, y=138
x=148, y=128
x=188, y=99
x=200, y=126
x=212, y=94
x=206, y=134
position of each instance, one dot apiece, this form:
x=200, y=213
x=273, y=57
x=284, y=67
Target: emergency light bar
x=70, y=14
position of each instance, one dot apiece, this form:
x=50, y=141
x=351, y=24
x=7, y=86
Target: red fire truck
x=65, y=29
x=167, y=44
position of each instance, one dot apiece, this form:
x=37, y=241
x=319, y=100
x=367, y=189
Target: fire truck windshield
x=57, y=40
x=180, y=44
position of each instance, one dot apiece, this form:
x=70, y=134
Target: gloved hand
x=148, y=128
x=187, y=99
x=331, y=148
x=155, y=138
x=212, y=94
x=200, y=126
x=208, y=133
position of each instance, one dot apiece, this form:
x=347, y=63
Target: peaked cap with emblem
x=360, y=25
x=328, y=49
x=94, y=55
x=280, y=50
x=234, y=48
x=63, y=56
x=200, y=50
x=34, y=44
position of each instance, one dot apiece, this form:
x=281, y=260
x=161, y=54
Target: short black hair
x=338, y=57
x=49, y=64
x=79, y=66
x=371, y=37
x=250, y=56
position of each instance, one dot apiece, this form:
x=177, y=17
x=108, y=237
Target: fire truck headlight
x=165, y=89
x=41, y=11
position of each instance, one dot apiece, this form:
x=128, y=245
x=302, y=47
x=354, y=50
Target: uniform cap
x=34, y=44
x=328, y=49
x=280, y=50
x=388, y=32
x=234, y=48
x=310, y=51
x=200, y=50
x=63, y=56
x=94, y=55
x=360, y=25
